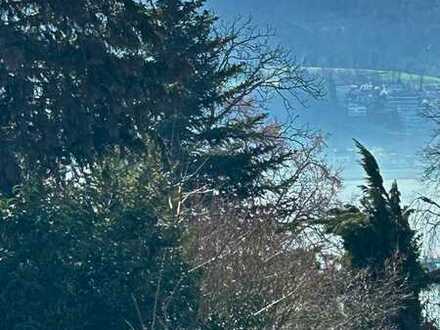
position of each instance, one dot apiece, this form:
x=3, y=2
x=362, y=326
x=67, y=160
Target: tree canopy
x=81, y=78
x=144, y=185
x=378, y=234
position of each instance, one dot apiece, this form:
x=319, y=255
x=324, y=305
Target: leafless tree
x=261, y=257
x=264, y=260
x=254, y=270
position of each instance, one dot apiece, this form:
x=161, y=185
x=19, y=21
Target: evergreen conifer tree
x=100, y=252
x=78, y=78
x=86, y=236
x=379, y=234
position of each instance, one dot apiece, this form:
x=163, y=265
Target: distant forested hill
x=376, y=34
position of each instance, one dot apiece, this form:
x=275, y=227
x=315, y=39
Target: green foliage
x=379, y=233
x=87, y=255
x=72, y=78
x=78, y=79
x=89, y=235
x=213, y=84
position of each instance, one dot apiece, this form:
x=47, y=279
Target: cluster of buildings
x=386, y=114
x=395, y=105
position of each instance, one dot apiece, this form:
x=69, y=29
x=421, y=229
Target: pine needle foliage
x=378, y=234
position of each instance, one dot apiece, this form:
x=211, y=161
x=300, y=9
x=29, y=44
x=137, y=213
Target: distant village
x=397, y=104
x=390, y=105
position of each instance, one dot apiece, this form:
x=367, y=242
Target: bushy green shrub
x=100, y=252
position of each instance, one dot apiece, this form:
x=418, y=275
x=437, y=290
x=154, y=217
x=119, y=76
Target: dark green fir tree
x=378, y=235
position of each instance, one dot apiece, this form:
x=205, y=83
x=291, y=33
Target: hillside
x=387, y=76
x=384, y=35
x=384, y=109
